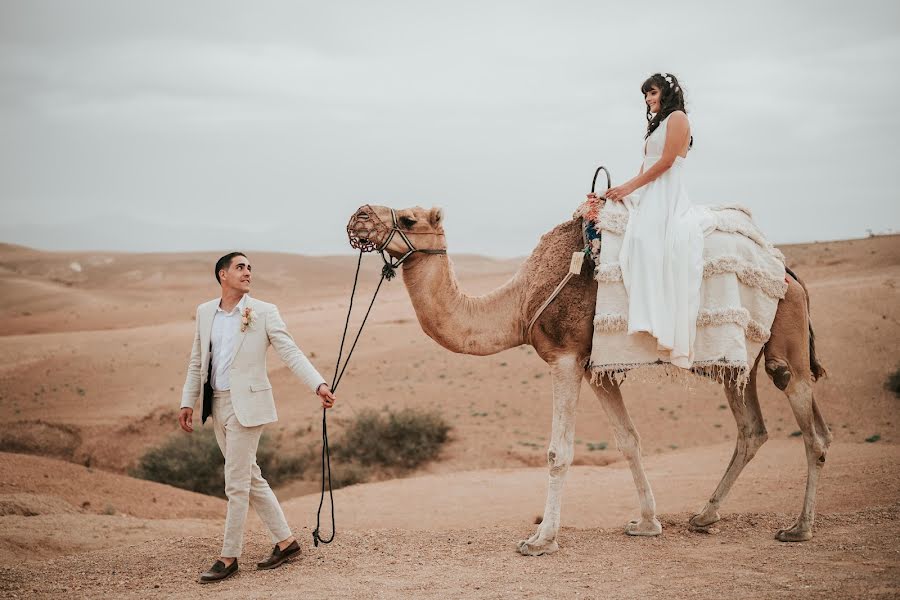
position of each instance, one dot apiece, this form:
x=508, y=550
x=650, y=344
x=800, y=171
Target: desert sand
x=94, y=348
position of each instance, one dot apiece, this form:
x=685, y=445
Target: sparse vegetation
x=893, y=382
x=873, y=438
x=345, y=474
x=190, y=462
x=194, y=462
x=596, y=446
x=403, y=439
x=391, y=441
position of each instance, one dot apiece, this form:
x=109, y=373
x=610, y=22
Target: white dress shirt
x=225, y=328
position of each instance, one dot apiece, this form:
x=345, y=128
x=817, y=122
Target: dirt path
x=453, y=535
x=605, y=496
x=854, y=555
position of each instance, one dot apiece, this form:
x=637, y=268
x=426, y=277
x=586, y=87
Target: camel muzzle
x=366, y=228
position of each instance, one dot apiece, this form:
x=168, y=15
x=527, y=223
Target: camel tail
x=815, y=366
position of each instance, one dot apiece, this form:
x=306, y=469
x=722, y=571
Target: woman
x=662, y=249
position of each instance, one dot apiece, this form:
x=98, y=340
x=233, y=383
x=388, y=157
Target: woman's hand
x=618, y=192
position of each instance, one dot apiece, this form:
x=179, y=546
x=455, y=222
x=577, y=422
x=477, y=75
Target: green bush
x=402, y=439
x=396, y=441
x=194, y=462
x=893, y=382
x=190, y=462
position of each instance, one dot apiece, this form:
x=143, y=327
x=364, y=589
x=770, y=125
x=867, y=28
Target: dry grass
x=194, y=462
x=372, y=442
x=404, y=439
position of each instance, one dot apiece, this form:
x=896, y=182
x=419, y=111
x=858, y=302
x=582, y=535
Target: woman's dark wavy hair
x=671, y=98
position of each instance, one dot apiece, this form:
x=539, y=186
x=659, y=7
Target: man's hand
x=186, y=419
x=324, y=393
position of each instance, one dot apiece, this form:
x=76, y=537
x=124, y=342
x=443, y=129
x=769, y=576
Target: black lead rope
x=338, y=373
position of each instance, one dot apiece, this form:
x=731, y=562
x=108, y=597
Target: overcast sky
x=184, y=125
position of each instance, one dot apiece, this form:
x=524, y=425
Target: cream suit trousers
x=244, y=483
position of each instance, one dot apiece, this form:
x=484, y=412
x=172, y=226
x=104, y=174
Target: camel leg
x=802, y=402
x=787, y=361
x=630, y=445
x=566, y=373
x=751, y=435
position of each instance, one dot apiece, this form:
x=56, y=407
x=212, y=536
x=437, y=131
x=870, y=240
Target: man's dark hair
x=225, y=262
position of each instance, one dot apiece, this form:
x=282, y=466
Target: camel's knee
x=558, y=460
x=819, y=449
x=628, y=442
x=750, y=444
x=779, y=371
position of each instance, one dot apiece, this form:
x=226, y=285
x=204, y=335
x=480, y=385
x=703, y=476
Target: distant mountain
x=126, y=234
x=325, y=236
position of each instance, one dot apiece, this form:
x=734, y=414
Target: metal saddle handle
x=597, y=172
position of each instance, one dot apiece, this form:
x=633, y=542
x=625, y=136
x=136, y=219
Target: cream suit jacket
x=251, y=392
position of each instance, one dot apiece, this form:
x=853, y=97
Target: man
x=227, y=372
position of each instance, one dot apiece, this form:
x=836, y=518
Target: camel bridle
x=364, y=242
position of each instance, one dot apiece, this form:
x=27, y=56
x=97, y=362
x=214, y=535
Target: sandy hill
x=100, y=378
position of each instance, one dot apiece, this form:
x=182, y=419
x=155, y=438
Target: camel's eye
x=407, y=222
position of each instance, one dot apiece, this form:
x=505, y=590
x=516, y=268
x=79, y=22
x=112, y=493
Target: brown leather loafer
x=279, y=556
x=219, y=571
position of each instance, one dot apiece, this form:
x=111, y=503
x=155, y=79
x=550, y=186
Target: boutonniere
x=248, y=317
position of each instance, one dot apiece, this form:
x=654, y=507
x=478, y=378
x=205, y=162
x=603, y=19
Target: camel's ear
x=436, y=217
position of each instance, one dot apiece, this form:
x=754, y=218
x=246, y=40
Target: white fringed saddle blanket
x=743, y=279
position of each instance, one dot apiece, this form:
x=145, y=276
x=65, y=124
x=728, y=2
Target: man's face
x=237, y=276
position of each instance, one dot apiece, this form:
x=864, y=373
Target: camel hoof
x=704, y=519
x=642, y=527
x=794, y=534
x=529, y=548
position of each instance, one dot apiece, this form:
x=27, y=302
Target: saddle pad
x=743, y=280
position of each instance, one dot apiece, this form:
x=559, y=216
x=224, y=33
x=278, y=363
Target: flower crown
x=670, y=81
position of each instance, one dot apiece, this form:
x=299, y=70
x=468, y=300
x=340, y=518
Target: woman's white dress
x=662, y=258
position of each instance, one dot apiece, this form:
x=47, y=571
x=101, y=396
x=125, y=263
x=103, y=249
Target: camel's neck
x=465, y=324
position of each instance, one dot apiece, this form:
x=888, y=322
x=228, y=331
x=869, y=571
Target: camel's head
x=382, y=228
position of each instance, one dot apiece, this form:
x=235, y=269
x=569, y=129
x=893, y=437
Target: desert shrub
x=397, y=441
x=402, y=439
x=348, y=473
x=190, y=462
x=279, y=466
x=194, y=462
x=893, y=382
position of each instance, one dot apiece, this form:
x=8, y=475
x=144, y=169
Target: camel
x=562, y=337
